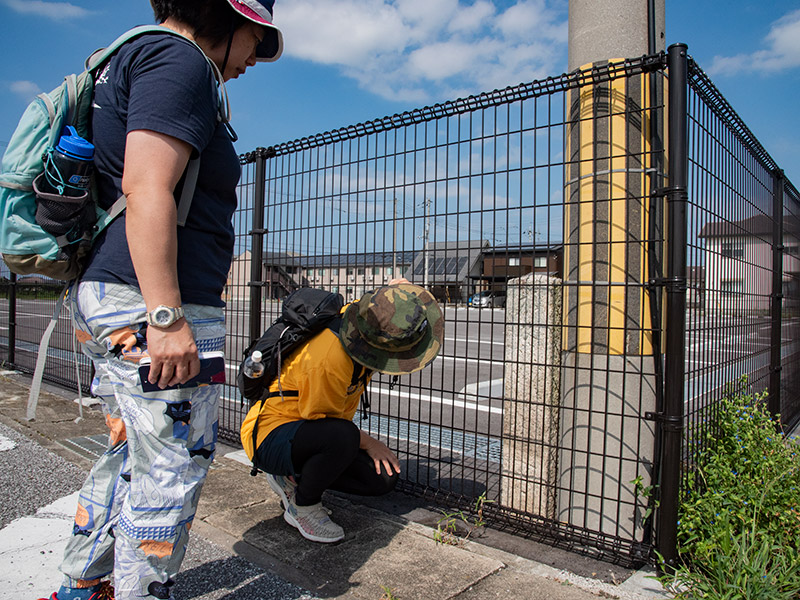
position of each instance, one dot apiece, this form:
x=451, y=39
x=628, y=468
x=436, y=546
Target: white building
x=738, y=269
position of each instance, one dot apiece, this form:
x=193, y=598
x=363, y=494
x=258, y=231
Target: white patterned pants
x=137, y=505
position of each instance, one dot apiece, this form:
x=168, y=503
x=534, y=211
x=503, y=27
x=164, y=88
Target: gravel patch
x=31, y=476
x=212, y=573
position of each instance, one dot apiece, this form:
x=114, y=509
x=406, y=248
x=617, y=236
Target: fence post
x=12, y=319
x=674, y=369
x=257, y=243
x=774, y=398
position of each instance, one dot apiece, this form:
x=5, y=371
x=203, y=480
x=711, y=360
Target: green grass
x=739, y=527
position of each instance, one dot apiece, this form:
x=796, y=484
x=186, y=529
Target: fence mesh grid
x=468, y=200
x=735, y=227
x=534, y=216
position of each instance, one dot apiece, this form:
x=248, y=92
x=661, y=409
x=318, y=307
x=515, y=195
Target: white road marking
x=456, y=403
x=6, y=444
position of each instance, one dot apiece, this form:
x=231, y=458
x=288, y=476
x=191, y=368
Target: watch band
x=163, y=316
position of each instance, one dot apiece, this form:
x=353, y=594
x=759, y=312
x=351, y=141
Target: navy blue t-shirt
x=162, y=83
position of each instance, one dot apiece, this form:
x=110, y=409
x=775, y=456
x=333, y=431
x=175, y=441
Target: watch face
x=162, y=316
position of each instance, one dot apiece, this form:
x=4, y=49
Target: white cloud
x=27, y=90
x=423, y=50
x=527, y=19
x=470, y=18
x=445, y=59
x=58, y=11
x=782, y=51
x=342, y=34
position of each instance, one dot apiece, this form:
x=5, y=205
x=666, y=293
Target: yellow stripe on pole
x=618, y=221
x=607, y=195
x=585, y=207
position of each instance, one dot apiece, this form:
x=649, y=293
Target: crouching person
x=305, y=437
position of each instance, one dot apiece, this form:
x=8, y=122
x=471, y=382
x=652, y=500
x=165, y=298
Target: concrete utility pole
x=609, y=374
x=607, y=29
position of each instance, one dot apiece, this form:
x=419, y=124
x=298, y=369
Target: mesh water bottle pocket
x=68, y=216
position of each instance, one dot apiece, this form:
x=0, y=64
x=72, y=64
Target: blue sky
x=356, y=60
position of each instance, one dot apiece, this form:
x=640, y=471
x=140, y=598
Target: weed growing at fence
x=447, y=527
x=649, y=495
x=739, y=527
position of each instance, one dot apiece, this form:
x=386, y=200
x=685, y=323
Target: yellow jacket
x=322, y=373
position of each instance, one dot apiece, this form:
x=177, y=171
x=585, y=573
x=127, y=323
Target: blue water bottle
x=68, y=166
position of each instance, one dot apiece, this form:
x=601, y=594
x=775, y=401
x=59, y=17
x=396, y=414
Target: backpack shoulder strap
x=98, y=57
x=38, y=373
x=335, y=324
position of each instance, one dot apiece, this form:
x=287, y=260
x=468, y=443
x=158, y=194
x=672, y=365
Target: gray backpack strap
x=72, y=97
x=189, y=184
x=185, y=203
x=112, y=213
x=41, y=358
x=193, y=168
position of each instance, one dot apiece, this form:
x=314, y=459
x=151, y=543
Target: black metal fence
x=743, y=256
x=600, y=290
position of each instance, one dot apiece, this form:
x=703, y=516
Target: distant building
x=448, y=269
x=353, y=274
x=695, y=287
x=739, y=264
x=502, y=263
x=281, y=274
x=452, y=271
x=348, y=274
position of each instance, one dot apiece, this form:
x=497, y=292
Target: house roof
x=755, y=226
x=282, y=259
x=524, y=249
x=448, y=262
x=371, y=259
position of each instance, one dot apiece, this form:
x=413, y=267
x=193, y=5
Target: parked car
x=488, y=299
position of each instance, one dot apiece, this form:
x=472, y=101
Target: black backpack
x=304, y=314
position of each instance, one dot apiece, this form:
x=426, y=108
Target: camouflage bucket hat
x=395, y=329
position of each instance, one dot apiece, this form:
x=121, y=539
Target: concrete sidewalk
x=242, y=548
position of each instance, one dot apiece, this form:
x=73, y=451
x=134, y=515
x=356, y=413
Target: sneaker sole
x=314, y=538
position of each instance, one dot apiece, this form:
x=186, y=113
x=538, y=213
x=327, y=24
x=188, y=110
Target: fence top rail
x=713, y=98
x=599, y=73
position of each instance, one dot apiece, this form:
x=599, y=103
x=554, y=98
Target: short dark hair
x=210, y=19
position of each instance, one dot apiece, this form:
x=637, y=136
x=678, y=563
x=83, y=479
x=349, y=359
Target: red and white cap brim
x=271, y=47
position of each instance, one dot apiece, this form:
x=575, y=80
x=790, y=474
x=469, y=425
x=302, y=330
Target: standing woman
x=154, y=287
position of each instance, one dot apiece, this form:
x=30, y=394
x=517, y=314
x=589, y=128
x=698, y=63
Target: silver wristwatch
x=164, y=316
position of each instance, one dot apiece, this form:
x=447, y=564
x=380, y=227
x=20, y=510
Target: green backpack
x=29, y=247
x=26, y=245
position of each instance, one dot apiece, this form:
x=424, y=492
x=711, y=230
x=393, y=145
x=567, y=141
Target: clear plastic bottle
x=253, y=367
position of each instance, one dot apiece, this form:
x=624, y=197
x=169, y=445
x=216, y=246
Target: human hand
x=398, y=281
x=173, y=354
x=380, y=455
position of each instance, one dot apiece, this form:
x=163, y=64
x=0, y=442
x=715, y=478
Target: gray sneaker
x=312, y=522
x=283, y=486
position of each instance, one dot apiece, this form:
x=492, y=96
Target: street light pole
x=394, y=237
x=425, y=250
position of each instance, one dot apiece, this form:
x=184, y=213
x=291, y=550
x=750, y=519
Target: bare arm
x=154, y=163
